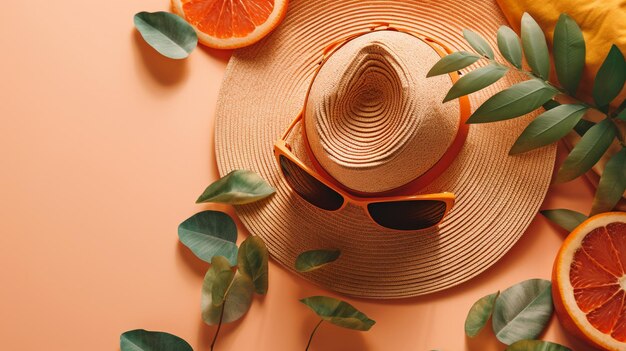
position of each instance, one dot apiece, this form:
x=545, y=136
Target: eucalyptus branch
x=621, y=129
x=620, y=136
x=557, y=121
x=531, y=75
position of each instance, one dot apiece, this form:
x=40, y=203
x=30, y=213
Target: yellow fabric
x=603, y=23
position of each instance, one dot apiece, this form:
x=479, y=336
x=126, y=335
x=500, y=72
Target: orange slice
x=589, y=281
x=231, y=24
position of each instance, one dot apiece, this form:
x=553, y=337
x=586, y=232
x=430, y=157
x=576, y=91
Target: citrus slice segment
x=588, y=299
x=589, y=281
x=231, y=24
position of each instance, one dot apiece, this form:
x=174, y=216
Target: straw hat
x=374, y=122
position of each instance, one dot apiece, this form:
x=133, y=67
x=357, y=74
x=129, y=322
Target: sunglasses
x=391, y=209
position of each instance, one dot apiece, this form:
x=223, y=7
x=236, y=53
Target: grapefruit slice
x=231, y=24
x=589, y=281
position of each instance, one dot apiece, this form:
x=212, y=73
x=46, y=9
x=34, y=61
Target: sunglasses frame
x=360, y=199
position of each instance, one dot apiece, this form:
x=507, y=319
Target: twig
x=313, y=333
x=219, y=326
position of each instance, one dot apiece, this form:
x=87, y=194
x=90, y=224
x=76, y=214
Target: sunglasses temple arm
x=440, y=44
x=292, y=125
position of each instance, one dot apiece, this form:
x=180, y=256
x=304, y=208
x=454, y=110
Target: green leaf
x=549, y=127
x=612, y=184
x=238, y=187
x=476, y=80
x=515, y=101
x=583, y=126
x=222, y=277
x=588, y=151
x=566, y=219
x=208, y=234
x=452, y=63
x=536, y=345
x=478, y=43
x=569, y=53
x=535, y=47
x=338, y=312
x=622, y=115
x=522, y=311
x=509, y=46
x=236, y=301
x=610, y=78
x=252, y=261
x=479, y=314
x=314, y=259
x=167, y=33
x=143, y=340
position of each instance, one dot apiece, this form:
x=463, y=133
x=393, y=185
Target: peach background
x=104, y=146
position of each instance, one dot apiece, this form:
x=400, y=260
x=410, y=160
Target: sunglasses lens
x=408, y=215
x=309, y=188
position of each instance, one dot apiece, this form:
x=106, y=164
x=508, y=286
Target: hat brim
x=497, y=195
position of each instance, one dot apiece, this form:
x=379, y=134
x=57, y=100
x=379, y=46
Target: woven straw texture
x=497, y=195
x=372, y=120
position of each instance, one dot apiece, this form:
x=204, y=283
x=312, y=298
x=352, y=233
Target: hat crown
x=373, y=120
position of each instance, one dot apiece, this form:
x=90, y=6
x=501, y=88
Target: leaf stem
x=533, y=76
x=313, y=333
x=620, y=136
x=219, y=326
